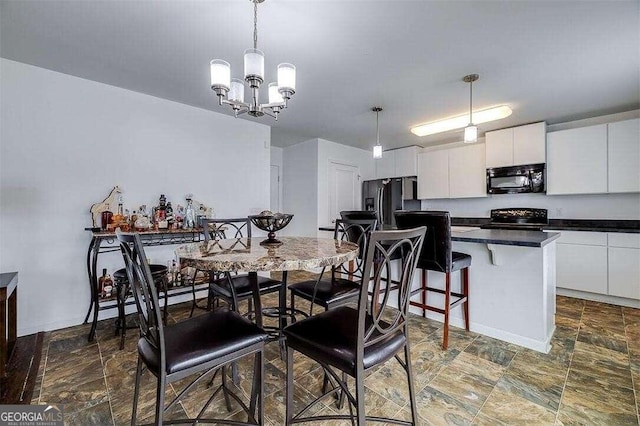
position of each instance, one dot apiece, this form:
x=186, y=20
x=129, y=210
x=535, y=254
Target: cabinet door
x=467, y=172
x=406, y=161
x=624, y=156
x=433, y=174
x=582, y=267
x=624, y=272
x=386, y=166
x=577, y=161
x=529, y=144
x=499, y=148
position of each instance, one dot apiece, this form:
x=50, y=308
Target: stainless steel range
x=518, y=218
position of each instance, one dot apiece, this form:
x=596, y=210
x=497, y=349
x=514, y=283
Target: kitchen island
x=512, y=287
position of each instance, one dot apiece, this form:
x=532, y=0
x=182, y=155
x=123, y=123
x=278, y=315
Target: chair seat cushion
x=458, y=261
x=331, y=337
x=157, y=272
x=328, y=292
x=242, y=286
x=201, y=339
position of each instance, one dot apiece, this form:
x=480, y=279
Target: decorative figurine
x=113, y=199
x=190, y=214
x=203, y=210
x=169, y=215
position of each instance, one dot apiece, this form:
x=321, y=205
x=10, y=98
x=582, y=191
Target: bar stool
x=437, y=255
x=122, y=287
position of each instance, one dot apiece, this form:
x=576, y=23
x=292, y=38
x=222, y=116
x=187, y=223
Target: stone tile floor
x=591, y=375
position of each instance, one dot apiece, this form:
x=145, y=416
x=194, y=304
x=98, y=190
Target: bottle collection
x=160, y=217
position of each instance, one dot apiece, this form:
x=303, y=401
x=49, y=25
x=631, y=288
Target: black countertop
x=507, y=237
x=592, y=225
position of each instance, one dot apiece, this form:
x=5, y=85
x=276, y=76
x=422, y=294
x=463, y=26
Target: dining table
x=250, y=256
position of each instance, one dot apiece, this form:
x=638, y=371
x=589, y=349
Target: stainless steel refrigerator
x=385, y=196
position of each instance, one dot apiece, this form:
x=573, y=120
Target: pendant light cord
x=377, y=129
x=471, y=102
x=255, y=24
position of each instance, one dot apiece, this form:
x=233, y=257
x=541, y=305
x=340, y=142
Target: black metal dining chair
x=196, y=346
x=354, y=340
x=437, y=255
x=232, y=288
x=337, y=290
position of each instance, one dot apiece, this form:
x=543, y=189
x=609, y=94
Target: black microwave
x=516, y=179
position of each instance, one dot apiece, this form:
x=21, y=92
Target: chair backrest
x=436, y=251
x=144, y=290
x=384, y=251
x=356, y=231
x=220, y=229
x=358, y=215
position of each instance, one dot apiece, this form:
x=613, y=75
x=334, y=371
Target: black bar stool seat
x=328, y=293
x=242, y=286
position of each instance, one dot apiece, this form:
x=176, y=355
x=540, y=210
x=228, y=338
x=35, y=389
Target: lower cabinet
x=600, y=263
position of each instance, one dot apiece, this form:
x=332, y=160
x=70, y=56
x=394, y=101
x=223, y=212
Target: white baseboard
x=613, y=300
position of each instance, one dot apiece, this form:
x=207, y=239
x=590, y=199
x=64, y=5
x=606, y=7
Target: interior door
x=344, y=189
x=275, y=189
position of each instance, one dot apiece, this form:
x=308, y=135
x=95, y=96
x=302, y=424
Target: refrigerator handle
x=381, y=207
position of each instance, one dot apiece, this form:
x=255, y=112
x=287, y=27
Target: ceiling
x=548, y=60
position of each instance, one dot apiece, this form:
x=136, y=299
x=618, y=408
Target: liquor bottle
x=108, y=284
x=102, y=281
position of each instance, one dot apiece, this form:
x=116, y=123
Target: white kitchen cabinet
x=624, y=272
x=624, y=156
x=499, y=148
x=433, y=174
x=406, y=161
x=467, y=172
x=529, y=144
x=582, y=267
x=398, y=163
x=516, y=145
x=452, y=173
x=577, y=161
x=386, y=166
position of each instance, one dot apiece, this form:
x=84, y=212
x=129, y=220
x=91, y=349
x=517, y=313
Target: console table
x=106, y=241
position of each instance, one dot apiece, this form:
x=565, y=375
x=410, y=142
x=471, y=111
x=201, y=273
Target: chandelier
x=377, y=149
x=231, y=91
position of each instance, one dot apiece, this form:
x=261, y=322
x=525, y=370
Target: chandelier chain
x=471, y=102
x=255, y=24
x=377, y=128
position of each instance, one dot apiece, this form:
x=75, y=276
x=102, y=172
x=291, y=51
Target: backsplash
x=593, y=206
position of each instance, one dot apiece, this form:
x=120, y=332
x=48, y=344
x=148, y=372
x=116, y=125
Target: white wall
x=65, y=142
x=300, y=188
x=334, y=152
x=277, y=161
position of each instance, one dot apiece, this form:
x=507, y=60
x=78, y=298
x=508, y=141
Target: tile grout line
x=104, y=376
x=494, y=387
x=44, y=371
x=566, y=377
x=636, y=396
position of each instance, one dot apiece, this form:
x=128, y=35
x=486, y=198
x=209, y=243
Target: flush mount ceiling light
x=231, y=91
x=471, y=131
x=377, y=149
x=468, y=121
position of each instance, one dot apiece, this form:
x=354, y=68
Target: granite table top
x=246, y=254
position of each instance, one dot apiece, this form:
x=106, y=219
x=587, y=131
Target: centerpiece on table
x=271, y=223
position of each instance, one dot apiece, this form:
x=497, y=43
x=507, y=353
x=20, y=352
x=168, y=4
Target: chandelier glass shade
x=231, y=91
x=471, y=131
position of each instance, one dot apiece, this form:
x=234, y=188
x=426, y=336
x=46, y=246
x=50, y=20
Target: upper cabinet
x=398, y=163
x=577, y=161
x=516, y=145
x=452, y=173
x=594, y=159
x=624, y=156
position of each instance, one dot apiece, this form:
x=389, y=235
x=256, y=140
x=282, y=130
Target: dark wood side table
x=8, y=323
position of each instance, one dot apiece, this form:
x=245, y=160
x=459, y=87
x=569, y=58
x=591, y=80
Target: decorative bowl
x=271, y=223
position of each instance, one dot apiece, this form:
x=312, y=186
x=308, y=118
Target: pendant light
x=377, y=149
x=471, y=131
